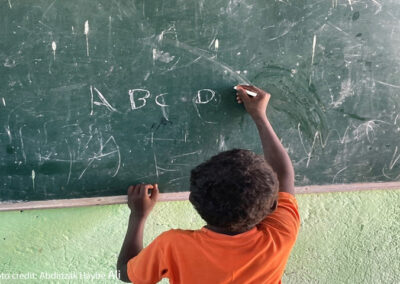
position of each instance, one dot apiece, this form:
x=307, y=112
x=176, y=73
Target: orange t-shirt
x=203, y=256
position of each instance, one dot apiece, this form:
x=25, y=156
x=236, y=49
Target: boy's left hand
x=140, y=201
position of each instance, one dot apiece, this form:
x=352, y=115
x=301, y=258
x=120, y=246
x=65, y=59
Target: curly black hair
x=234, y=190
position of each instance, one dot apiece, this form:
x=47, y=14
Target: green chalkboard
x=97, y=95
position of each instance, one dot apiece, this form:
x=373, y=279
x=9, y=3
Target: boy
x=248, y=204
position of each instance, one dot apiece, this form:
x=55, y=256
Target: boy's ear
x=274, y=205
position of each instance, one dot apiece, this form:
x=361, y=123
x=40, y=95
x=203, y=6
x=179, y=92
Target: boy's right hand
x=255, y=106
x=140, y=200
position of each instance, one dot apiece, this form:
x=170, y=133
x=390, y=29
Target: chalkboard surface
x=97, y=95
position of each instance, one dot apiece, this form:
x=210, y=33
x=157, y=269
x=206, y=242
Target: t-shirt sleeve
x=149, y=266
x=285, y=220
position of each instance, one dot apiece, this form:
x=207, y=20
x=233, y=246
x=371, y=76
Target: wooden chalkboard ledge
x=121, y=199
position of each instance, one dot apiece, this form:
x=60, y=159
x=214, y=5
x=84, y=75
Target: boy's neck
x=222, y=230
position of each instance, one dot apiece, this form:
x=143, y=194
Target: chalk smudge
x=162, y=56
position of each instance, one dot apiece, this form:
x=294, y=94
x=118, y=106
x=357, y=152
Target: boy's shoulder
x=176, y=238
x=173, y=234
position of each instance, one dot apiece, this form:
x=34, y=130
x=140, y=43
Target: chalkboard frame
x=183, y=196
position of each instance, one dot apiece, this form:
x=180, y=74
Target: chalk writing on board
x=132, y=96
x=138, y=99
x=103, y=102
x=203, y=96
x=161, y=102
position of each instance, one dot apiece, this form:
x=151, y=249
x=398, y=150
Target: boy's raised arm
x=274, y=152
x=141, y=203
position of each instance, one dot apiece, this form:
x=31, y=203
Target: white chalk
x=87, y=27
x=250, y=93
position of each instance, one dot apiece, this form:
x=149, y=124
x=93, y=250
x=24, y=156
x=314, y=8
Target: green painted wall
x=344, y=238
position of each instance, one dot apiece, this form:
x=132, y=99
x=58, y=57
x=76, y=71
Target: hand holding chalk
x=250, y=93
x=256, y=106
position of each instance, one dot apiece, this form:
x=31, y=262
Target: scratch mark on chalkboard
x=312, y=148
x=100, y=154
x=288, y=26
x=268, y=27
x=8, y=133
x=198, y=112
x=221, y=142
x=308, y=153
x=4, y=101
x=342, y=139
x=173, y=67
x=166, y=170
x=91, y=99
x=146, y=76
x=395, y=119
x=368, y=129
x=313, y=49
x=22, y=143
x=321, y=140
x=387, y=84
x=48, y=9
x=152, y=139
x=176, y=179
x=213, y=41
x=351, y=5
x=119, y=155
x=206, y=55
x=109, y=36
x=337, y=28
x=68, y=88
x=83, y=172
x=103, y=102
x=379, y=6
x=87, y=36
x=54, y=47
x=44, y=25
x=312, y=59
x=186, y=135
x=70, y=161
x=33, y=179
x=9, y=4
x=394, y=159
x=334, y=177
x=388, y=177
x=186, y=154
x=155, y=163
x=171, y=30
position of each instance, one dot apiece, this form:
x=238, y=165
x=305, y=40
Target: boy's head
x=234, y=190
